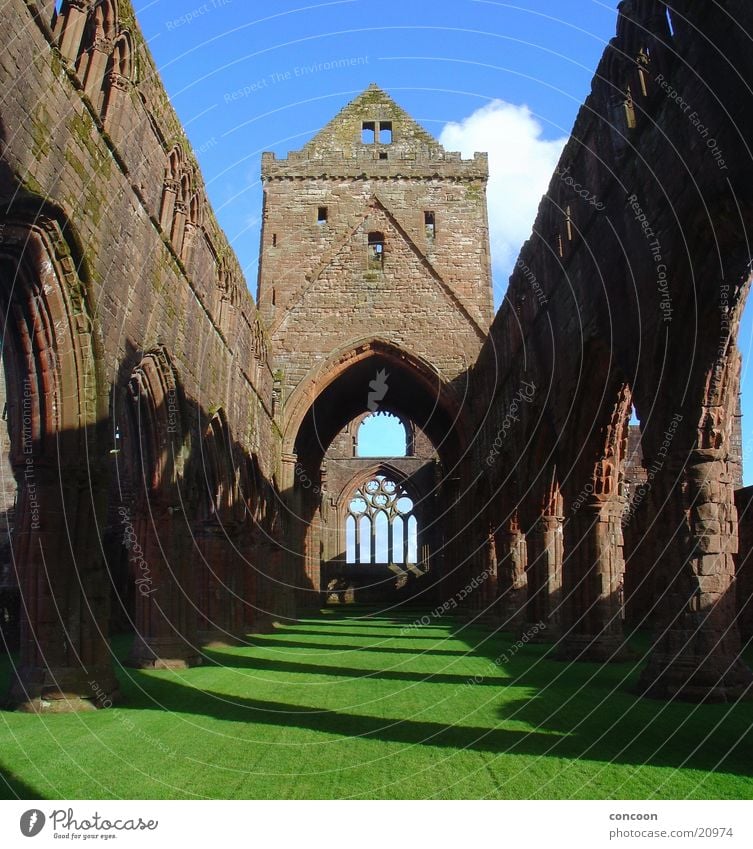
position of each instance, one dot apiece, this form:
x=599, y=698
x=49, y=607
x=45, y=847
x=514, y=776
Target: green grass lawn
x=349, y=706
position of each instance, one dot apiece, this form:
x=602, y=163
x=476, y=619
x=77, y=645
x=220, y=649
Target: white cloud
x=521, y=164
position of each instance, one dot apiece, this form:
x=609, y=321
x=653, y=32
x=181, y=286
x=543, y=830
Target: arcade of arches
x=185, y=463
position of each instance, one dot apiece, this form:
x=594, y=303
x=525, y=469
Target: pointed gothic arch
x=57, y=405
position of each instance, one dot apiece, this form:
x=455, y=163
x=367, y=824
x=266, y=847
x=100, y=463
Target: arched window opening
x=364, y=528
x=412, y=540
x=382, y=435
x=375, y=527
x=381, y=541
x=350, y=539
x=398, y=544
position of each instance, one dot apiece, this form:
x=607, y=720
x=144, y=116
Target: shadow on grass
x=641, y=741
x=274, y=641
x=12, y=787
x=575, y=711
x=224, y=659
x=418, y=634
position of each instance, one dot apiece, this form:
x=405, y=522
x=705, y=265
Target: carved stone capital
x=118, y=81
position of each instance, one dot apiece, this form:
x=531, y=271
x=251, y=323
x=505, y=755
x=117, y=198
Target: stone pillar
x=744, y=562
x=267, y=588
x=219, y=586
x=178, y=229
x=190, y=235
x=165, y=620
x=511, y=575
x=250, y=581
x=167, y=209
x=472, y=595
x=322, y=532
x=639, y=531
x=115, y=103
x=544, y=576
x=594, y=569
x=235, y=587
x=696, y=647
x=69, y=28
x=488, y=591
x=289, y=539
x=91, y=69
x=65, y=662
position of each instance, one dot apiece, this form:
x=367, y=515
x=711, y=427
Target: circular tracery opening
x=380, y=527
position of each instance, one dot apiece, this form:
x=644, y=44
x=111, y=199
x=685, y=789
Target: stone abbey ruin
x=181, y=460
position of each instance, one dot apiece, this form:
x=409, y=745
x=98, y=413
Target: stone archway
x=344, y=389
x=379, y=536
x=57, y=405
x=154, y=459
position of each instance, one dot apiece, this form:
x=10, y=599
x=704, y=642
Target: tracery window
x=380, y=526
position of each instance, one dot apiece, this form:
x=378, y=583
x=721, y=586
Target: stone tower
x=374, y=229
x=375, y=285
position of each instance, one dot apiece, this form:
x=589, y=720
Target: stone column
x=250, y=581
x=472, y=598
x=92, y=67
x=289, y=544
x=744, y=562
x=69, y=28
x=160, y=563
x=266, y=587
x=189, y=238
x=594, y=568
x=309, y=593
x=511, y=575
x=484, y=596
x=544, y=575
x=696, y=652
x=219, y=586
x=167, y=208
x=235, y=587
x=178, y=230
x=115, y=103
x=65, y=662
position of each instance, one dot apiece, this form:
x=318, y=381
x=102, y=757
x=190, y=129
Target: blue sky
x=247, y=77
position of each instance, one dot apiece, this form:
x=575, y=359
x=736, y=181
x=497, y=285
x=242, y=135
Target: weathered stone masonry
x=183, y=465
x=152, y=384
x=640, y=249
x=375, y=258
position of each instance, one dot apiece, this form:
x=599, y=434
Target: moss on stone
x=83, y=130
x=56, y=66
x=473, y=192
x=39, y=124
